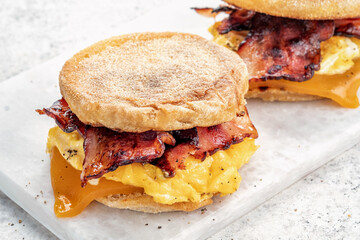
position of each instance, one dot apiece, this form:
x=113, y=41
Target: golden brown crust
x=303, y=9
x=154, y=81
x=274, y=94
x=144, y=203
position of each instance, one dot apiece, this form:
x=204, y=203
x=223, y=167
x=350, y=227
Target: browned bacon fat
x=281, y=48
x=106, y=150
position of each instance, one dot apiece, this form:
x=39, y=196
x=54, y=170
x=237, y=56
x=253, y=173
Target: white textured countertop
x=324, y=205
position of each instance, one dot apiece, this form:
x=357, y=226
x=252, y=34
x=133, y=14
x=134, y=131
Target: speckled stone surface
x=324, y=205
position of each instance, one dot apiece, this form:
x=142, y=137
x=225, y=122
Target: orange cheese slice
x=70, y=198
x=342, y=88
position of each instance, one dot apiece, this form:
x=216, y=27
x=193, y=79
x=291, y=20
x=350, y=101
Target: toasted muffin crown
x=154, y=81
x=303, y=9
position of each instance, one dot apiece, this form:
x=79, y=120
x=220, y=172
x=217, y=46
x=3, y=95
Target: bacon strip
x=282, y=48
x=106, y=150
x=222, y=136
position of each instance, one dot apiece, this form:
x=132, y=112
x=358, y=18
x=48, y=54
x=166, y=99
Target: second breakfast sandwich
x=151, y=122
x=295, y=50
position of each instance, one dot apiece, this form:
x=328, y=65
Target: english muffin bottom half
x=152, y=122
x=294, y=50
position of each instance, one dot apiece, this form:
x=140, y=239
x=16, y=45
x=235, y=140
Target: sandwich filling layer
x=198, y=181
x=105, y=149
x=144, y=81
x=301, y=56
x=171, y=167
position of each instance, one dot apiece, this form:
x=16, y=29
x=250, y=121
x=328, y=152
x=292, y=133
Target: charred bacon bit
x=222, y=136
x=173, y=158
x=64, y=117
x=189, y=136
x=348, y=27
x=106, y=150
x=283, y=48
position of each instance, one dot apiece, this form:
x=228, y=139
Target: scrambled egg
x=337, y=55
x=200, y=180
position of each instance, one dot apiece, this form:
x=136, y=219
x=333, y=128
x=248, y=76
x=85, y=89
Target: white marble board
x=295, y=139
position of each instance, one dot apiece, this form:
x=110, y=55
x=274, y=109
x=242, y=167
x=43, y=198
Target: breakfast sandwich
x=294, y=50
x=152, y=122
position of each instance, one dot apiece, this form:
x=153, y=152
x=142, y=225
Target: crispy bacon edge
x=64, y=117
x=106, y=150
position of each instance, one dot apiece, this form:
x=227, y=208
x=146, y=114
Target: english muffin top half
x=154, y=81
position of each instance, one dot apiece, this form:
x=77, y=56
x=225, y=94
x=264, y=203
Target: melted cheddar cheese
x=199, y=181
x=339, y=75
x=70, y=198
